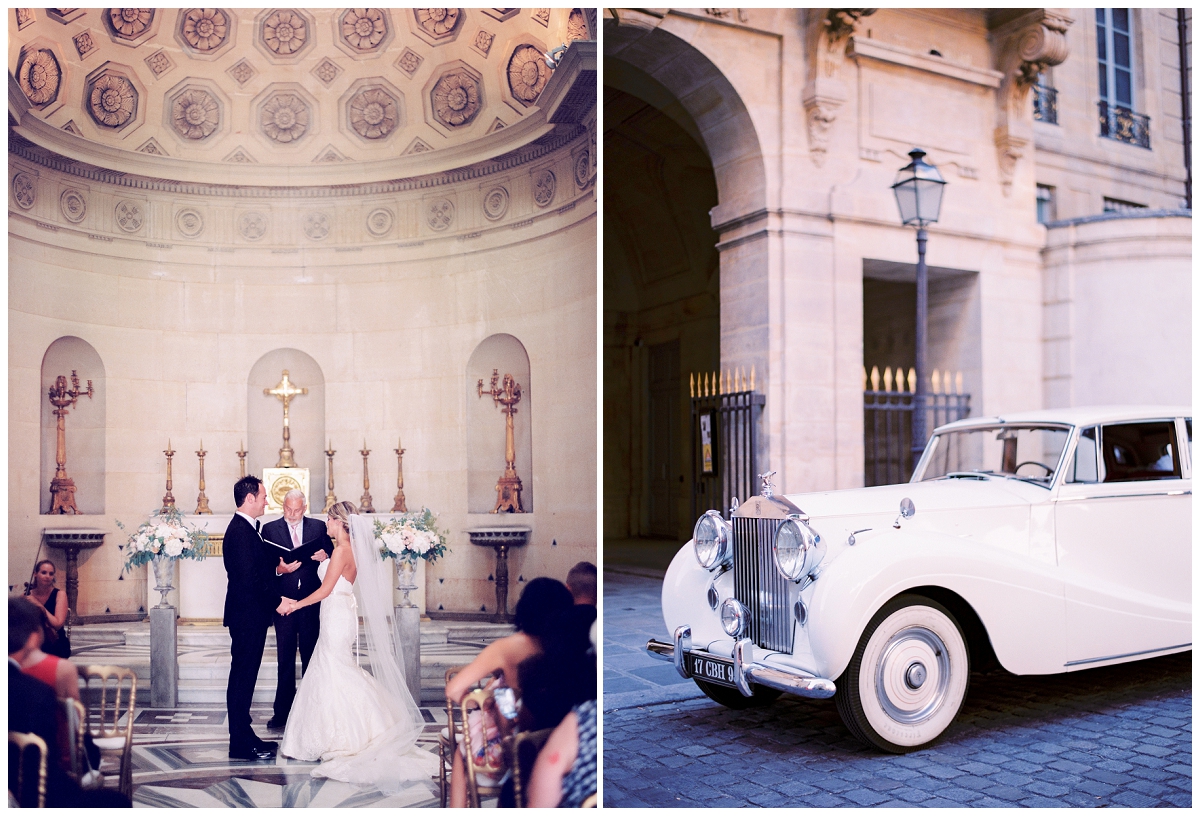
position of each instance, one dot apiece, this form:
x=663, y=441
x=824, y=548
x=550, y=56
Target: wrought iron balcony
x=1124, y=125
x=1045, y=104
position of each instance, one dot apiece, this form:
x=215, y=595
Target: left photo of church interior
x=350, y=253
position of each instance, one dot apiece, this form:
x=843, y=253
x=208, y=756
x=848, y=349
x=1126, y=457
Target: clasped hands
x=287, y=606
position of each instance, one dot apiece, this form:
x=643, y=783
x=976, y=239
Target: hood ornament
x=768, y=489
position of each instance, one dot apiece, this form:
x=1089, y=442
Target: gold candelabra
x=330, y=498
x=364, y=504
x=506, y=395
x=241, y=460
x=285, y=392
x=62, y=487
x=168, y=499
x=400, y=505
x=202, y=500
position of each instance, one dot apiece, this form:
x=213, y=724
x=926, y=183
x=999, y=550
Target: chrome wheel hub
x=912, y=675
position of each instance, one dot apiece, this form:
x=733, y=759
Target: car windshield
x=1029, y=453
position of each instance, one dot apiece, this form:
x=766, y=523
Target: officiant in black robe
x=309, y=544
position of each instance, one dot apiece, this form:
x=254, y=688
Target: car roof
x=1085, y=415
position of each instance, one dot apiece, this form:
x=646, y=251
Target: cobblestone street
x=1115, y=736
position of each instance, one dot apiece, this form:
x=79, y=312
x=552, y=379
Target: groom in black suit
x=302, y=627
x=250, y=601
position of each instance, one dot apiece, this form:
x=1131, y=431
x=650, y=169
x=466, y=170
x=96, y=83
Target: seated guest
x=581, y=580
x=31, y=710
x=57, y=673
x=563, y=674
x=542, y=599
x=52, y=605
x=564, y=774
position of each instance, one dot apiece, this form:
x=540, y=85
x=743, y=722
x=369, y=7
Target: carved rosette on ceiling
x=373, y=113
x=24, y=191
x=316, y=225
x=495, y=203
x=440, y=214
x=205, y=29
x=284, y=117
x=284, y=32
x=544, y=186
x=189, y=222
x=73, y=205
x=130, y=23
x=364, y=29
x=252, y=225
x=128, y=215
x=438, y=23
x=456, y=97
x=527, y=73
x=195, y=114
x=409, y=61
x=379, y=221
x=39, y=77
x=112, y=101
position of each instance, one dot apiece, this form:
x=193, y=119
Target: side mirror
x=907, y=511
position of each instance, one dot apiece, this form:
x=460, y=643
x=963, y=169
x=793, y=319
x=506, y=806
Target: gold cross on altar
x=285, y=392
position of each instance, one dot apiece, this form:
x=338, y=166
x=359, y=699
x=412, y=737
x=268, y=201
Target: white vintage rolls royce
x=1046, y=541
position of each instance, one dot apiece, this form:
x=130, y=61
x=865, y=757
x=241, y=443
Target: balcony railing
x=1124, y=125
x=1045, y=104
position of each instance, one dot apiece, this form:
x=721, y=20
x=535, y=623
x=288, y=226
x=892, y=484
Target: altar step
x=204, y=655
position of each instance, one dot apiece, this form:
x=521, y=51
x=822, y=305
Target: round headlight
x=733, y=617
x=711, y=537
x=798, y=549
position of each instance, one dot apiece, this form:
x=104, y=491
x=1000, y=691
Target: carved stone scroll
x=827, y=33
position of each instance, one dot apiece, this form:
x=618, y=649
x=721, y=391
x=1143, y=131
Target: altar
x=200, y=584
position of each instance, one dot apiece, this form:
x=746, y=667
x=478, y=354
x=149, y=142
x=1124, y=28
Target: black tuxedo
x=250, y=600
x=301, y=628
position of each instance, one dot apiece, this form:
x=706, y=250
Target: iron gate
x=729, y=423
x=887, y=430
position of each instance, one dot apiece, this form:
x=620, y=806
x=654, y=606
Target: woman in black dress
x=53, y=605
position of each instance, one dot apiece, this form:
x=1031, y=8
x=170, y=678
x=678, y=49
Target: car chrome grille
x=758, y=585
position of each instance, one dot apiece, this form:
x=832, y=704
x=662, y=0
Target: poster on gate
x=706, y=446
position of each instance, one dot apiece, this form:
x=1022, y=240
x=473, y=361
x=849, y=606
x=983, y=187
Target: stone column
x=164, y=658
x=408, y=625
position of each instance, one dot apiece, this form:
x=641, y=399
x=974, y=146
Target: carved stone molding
x=39, y=76
x=409, y=61
x=379, y=221
x=577, y=27
x=326, y=71
x=364, y=30
x=440, y=214
x=24, y=191
x=159, y=63
x=112, y=100
x=542, y=15
x=285, y=32
x=456, y=98
x=373, y=113
x=316, y=225
x=25, y=18
x=189, y=222
x=583, y=169
x=242, y=71
x=544, y=187
x=527, y=74
x=252, y=225
x=195, y=114
x=1023, y=47
x=495, y=203
x=483, y=41
x=129, y=24
x=284, y=117
x=129, y=215
x=205, y=30
x=827, y=34
x=85, y=43
x=73, y=205
x=820, y=113
x=437, y=25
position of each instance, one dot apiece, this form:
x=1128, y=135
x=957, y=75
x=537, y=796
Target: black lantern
x=918, y=189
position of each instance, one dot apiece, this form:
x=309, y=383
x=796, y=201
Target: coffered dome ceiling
x=251, y=96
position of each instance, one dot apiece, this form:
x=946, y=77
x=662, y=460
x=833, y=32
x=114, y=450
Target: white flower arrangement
x=163, y=534
x=411, y=536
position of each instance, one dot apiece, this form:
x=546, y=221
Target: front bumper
x=745, y=669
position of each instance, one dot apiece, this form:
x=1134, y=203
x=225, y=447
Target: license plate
x=711, y=670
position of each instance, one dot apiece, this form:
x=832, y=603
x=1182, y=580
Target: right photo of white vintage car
x=1046, y=541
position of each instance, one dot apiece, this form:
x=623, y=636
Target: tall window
x=1115, y=53
x=1045, y=204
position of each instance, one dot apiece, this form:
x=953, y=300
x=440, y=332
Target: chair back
x=118, y=698
x=75, y=717
x=26, y=779
x=482, y=703
x=526, y=747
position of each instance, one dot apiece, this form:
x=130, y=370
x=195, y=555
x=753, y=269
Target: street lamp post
x=918, y=188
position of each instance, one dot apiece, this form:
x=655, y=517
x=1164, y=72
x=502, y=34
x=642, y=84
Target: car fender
x=1018, y=600
x=685, y=598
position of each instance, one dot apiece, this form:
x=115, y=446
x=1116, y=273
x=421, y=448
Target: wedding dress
x=362, y=725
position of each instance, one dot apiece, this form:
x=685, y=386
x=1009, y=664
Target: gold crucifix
x=508, y=488
x=285, y=392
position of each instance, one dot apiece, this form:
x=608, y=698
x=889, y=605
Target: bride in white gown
x=363, y=726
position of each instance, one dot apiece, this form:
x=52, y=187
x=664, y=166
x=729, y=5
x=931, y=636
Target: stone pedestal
x=500, y=539
x=164, y=658
x=71, y=540
x=408, y=623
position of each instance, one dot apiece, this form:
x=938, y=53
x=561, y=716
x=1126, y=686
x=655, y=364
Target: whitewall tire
x=908, y=677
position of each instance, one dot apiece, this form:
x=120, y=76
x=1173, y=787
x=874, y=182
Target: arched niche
x=85, y=424
x=306, y=416
x=503, y=354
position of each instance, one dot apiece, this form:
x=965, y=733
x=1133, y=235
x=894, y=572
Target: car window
x=1140, y=451
x=1029, y=453
x=1082, y=467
